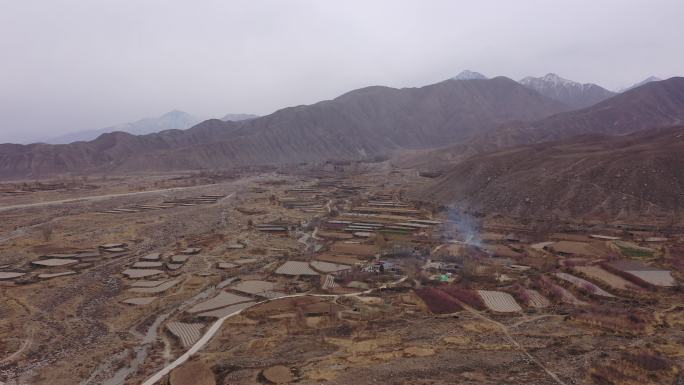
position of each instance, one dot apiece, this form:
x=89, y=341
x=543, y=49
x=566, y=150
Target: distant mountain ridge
x=571, y=93
x=641, y=83
x=654, y=104
x=359, y=124
x=172, y=120
x=469, y=75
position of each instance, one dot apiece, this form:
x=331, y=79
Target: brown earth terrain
x=592, y=177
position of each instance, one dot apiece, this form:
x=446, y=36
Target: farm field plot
x=222, y=300
x=632, y=250
x=500, y=302
x=650, y=274
x=535, y=299
x=141, y=273
x=571, y=248
x=583, y=284
x=254, y=287
x=187, y=333
x=156, y=289
x=10, y=274
x=54, y=262
x=655, y=277
x=222, y=312
x=295, y=268
x=147, y=265
x=607, y=277
x=328, y=267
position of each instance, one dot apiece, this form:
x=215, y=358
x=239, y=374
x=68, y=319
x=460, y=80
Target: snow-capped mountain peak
x=550, y=79
x=572, y=93
x=641, y=83
x=469, y=75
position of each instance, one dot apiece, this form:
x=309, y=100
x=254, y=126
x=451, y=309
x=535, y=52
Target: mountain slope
x=590, y=176
x=359, y=124
x=656, y=104
x=573, y=94
x=173, y=120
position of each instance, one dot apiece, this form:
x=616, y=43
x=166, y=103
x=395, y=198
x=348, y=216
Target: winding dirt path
x=216, y=326
x=25, y=345
x=505, y=330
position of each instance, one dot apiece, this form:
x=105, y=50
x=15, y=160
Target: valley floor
x=322, y=276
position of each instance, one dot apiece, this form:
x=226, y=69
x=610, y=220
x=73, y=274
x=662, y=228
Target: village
x=325, y=274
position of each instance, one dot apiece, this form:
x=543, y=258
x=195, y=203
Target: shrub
x=648, y=361
x=438, y=301
x=469, y=297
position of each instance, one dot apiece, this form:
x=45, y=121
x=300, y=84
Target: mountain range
x=359, y=124
x=507, y=147
x=652, y=105
x=620, y=159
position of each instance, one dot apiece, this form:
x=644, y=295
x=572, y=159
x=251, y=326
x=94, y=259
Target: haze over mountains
x=172, y=120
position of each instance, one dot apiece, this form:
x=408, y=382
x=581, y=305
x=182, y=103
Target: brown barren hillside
x=595, y=176
x=655, y=104
x=360, y=124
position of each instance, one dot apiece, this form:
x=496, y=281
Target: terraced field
x=187, y=333
x=583, y=284
x=535, y=299
x=498, y=301
x=222, y=300
x=606, y=277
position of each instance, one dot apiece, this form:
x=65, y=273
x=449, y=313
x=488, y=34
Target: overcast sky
x=70, y=65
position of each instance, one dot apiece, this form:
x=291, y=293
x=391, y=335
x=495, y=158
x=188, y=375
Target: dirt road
x=98, y=197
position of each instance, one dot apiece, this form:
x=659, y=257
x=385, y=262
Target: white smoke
x=466, y=227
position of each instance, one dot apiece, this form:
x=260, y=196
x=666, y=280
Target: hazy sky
x=70, y=65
